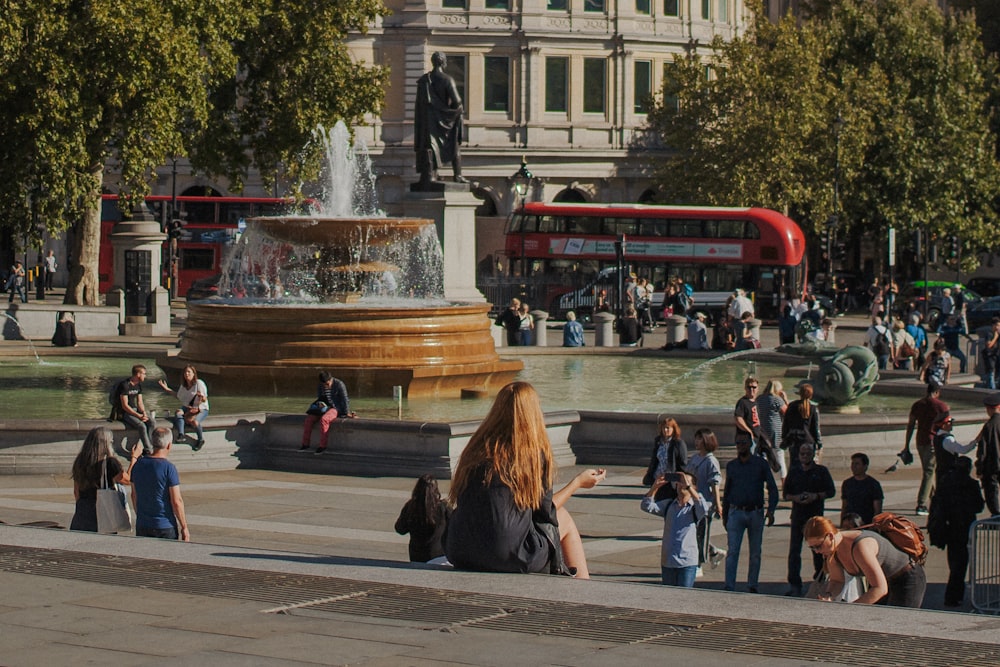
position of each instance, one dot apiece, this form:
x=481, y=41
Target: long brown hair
x=513, y=445
x=87, y=465
x=194, y=379
x=805, y=405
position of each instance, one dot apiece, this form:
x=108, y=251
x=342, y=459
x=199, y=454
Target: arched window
x=570, y=195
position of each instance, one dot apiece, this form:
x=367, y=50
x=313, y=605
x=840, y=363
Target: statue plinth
x=439, y=186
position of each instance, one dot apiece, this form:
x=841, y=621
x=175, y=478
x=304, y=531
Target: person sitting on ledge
x=506, y=517
x=572, y=331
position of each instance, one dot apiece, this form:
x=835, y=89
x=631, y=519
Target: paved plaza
x=292, y=568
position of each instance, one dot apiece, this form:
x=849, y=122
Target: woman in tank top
x=890, y=572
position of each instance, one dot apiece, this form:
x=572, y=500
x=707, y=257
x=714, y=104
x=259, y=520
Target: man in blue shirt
x=156, y=493
x=743, y=510
x=572, y=331
x=951, y=331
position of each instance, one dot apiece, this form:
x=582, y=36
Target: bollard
x=541, y=331
x=676, y=329
x=755, y=328
x=39, y=283
x=604, y=335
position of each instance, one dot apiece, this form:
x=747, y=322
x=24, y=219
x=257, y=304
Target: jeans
x=963, y=362
x=703, y=530
x=19, y=289
x=179, y=423
x=738, y=522
x=928, y=463
x=990, y=367
x=145, y=429
x=883, y=362
x=324, y=427
x=795, y=554
x=161, y=533
x=679, y=576
x=907, y=590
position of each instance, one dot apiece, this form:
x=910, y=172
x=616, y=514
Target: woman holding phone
x=679, y=554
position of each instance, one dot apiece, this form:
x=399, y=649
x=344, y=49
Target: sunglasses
x=815, y=548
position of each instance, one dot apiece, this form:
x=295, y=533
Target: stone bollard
x=604, y=334
x=676, y=329
x=755, y=328
x=541, y=327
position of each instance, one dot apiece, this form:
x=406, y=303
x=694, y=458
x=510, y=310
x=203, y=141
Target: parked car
x=982, y=313
x=985, y=287
x=206, y=288
x=913, y=292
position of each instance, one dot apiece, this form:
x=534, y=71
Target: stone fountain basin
x=339, y=232
x=279, y=348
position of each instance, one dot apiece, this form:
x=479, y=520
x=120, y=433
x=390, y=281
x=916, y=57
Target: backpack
x=903, y=533
x=113, y=400
x=881, y=347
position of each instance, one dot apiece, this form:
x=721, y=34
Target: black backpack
x=881, y=347
x=115, y=401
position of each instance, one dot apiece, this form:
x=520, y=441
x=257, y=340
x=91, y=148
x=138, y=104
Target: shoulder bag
x=112, y=512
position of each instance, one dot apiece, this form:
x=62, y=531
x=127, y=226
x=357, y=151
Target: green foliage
x=84, y=86
x=911, y=85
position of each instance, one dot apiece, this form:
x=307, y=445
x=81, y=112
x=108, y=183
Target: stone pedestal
x=676, y=326
x=138, y=261
x=604, y=334
x=452, y=207
x=541, y=328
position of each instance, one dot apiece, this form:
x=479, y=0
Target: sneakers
x=197, y=445
x=320, y=450
x=794, y=592
x=716, y=557
x=921, y=511
x=699, y=573
x=752, y=589
x=303, y=448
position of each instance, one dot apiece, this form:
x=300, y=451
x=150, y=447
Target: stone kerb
x=37, y=320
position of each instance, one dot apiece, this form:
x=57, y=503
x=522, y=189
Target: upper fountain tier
x=340, y=232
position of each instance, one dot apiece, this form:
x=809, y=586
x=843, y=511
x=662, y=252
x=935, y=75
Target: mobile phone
x=673, y=477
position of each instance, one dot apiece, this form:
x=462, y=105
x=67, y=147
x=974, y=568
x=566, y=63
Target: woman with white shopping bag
x=97, y=472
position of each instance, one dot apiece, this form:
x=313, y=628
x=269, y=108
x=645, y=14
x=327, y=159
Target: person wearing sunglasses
x=890, y=572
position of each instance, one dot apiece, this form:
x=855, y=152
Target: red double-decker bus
x=568, y=251
x=210, y=225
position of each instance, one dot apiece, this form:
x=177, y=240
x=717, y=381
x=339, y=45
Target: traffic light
x=840, y=252
x=824, y=238
x=954, y=247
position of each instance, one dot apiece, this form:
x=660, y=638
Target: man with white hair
x=740, y=304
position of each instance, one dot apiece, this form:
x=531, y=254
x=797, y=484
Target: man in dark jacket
x=807, y=487
x=988, y=454
x=956, y=503
x=510, y=320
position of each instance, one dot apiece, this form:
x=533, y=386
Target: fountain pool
x=76, y=388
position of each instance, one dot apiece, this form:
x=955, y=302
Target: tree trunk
x=82, y=289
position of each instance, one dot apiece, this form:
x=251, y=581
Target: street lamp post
x=834, y=220
x=522, y=181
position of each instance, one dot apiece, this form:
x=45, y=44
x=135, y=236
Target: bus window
x=550, y=224
x=686, y=228
x=619, y=226
x=197, y=258
x=652, y=227
x=231, y=214
x=199, y=211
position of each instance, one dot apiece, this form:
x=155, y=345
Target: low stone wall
x=362, y=447
x=37, y=320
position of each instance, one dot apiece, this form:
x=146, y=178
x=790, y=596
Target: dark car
x=913, y=292
x=981, y=314
x=206, y=288
x=985, y=287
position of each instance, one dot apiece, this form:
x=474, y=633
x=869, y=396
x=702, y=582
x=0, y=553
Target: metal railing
x=984, y=565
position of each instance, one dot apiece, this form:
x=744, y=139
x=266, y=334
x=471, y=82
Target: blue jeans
x=145, y=429
x=679, y=576
x=179, y=423
x=738, y=522
x=963, y=362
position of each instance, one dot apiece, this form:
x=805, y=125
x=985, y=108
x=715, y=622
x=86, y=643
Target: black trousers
x=991, y=492
x=958, y=563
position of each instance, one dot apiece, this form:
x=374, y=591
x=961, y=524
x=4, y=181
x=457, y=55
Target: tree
x=85, y=84
x=911, y=85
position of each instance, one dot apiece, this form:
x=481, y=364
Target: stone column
x=541, y=327
x=452, y=207
x=147, y=312
x=604, y=334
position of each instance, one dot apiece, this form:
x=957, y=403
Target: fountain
x=359, y=295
